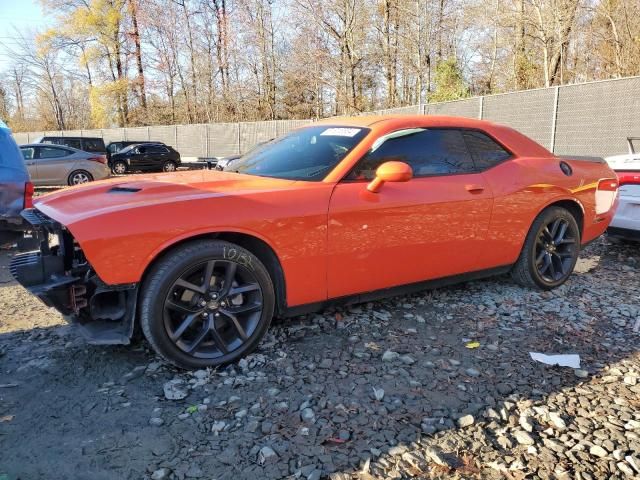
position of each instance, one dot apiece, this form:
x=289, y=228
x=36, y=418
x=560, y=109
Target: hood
x=72, y=204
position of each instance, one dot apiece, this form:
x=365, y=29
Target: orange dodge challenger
x=345, y=209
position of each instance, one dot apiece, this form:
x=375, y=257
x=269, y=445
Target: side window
x=27, y=153
x=157, y=149
x=142, y=150
x=93, y=145
x=72, y=142
x=52, y=152
x=484, y=150
x=428, y=152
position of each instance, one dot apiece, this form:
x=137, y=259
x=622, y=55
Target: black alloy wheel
x=555, y=249
x=212, y=309
x=550, y=250
x=206, y=303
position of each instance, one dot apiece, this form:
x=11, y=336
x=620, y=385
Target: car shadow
x=373, y=389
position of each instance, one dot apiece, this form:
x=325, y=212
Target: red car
x=342, y=210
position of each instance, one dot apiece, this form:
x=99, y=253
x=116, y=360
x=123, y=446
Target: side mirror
x=390, y=172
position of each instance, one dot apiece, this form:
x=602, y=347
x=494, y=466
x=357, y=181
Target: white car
x=626, y=223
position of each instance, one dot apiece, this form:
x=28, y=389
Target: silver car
x=61, y=165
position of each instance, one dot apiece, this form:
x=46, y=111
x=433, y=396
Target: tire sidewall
x=120, y=162
x=165, y=164
x=76, y=172
x=156, y=288
x=541, y=222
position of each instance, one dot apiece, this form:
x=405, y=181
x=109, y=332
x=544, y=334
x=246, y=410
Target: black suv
x=145, y=157
x=86, y=144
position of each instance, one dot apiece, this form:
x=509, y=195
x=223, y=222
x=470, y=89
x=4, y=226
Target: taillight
x=628, y=178
x=606, y=195
x=28, y=195
x=100, y=159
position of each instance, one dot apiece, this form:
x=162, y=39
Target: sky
x=25, y=15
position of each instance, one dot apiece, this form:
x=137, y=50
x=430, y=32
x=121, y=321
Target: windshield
x=306, y=154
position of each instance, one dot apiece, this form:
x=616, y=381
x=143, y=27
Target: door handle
x=474, y=188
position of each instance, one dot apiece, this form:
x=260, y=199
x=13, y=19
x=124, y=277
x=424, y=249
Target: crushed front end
x=60, y=276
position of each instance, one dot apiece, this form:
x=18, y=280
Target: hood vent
x=124, y=190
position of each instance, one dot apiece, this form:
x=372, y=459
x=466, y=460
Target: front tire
x=550, y=251
x=206, y=303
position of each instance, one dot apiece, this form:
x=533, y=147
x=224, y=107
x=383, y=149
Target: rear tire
x=206, y=303
x=78, y=177
x=550, y=251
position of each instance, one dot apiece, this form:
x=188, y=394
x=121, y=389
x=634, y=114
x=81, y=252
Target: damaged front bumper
x=60, y=276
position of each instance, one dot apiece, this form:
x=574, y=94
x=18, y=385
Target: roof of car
x=436, y=120
x=50, y=145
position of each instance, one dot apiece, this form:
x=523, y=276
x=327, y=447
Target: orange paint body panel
x=334, y=237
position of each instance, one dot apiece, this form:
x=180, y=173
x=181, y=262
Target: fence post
x=175, y=136
x=554, y=119
x=148, y=134
x=206, y=139
x=481, y=112
x=239, y=137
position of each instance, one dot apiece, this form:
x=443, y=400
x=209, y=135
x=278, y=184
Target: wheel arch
x=258, y=246
x=573, y=206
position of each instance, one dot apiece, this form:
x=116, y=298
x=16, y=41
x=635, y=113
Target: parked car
x=626, y=222
x=226, y=163
x=57, y=165
x=115, y=147
x=145, y=157
x=86, y=144
x=341, y=210
x=16, y=190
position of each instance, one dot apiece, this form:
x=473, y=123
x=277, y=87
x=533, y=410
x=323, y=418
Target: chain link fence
x=584, y=119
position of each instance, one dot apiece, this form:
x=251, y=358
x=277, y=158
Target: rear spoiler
x=580, y=158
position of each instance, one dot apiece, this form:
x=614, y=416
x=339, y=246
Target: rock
x=378, y=393
x=307, y=415
x=160, y=474
x=580, y=373
x=397, y=450
x=267, y=456
x=634, y=462
x=557, y=421
x=630, y=380
x=194, y=471
x=218, y=426
x=465, y=421
x=175, y=389
x=504, y=388
x=156, y=421
x=526, y=423
x=624, y=468
x=315, y=475
x=326, y=363
x=472, y=372
x=390, y=356
x=523, y=438
x=598, y=451
x=407, y=359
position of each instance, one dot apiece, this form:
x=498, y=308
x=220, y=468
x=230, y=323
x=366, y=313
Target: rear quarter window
x=485, y=151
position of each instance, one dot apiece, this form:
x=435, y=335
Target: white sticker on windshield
x=341, y=132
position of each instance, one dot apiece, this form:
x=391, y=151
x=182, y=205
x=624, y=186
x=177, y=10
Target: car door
x=53, y=165
x=157, y=155
x=28, y=154
x=429, y=227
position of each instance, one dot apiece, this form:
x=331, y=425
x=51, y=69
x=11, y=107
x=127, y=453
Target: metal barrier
x=584, y=119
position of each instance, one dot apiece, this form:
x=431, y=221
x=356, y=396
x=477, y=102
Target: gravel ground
x=392, y=389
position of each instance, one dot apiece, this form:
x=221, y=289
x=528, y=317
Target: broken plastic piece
x=563, y=360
